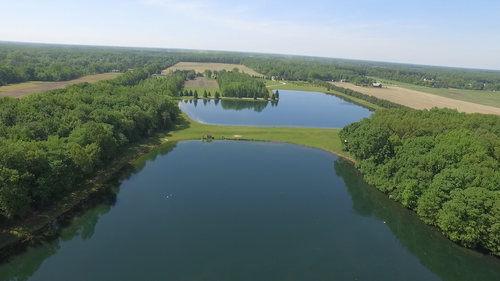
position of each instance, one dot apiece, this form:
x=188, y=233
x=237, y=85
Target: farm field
x=24, y=89
x=201, y=66
x=482, y=97
x=420, y=100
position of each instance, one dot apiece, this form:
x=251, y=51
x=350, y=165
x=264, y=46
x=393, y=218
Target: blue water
x=294, y=109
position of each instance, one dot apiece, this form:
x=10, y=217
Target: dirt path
x=419, y=100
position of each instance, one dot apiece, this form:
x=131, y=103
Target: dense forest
x=241, y=85
x=50, y=141
x=440, y=163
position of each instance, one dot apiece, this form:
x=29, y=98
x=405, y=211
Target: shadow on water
x=79, y=222
x=436, y=252
x=257, y=106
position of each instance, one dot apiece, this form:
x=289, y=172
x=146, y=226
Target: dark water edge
x=446, y=260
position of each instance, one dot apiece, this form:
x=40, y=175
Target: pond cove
x=293, y=109
x=235, y=210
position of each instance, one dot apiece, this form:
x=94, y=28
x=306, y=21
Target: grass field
x=202, y=66
x=185, y=129
x=420, y=100
x=23, y=89
x=306, y=86
x=481, y=97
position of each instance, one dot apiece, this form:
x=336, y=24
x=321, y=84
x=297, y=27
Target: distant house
x=377, y=85
x=209, y=137
x=115, y=71
x=343, y=80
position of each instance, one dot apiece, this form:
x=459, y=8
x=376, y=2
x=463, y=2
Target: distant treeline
x=361, y=96
x=52, y=140
x=241, y=85
x=359, y=72
x=443, y=164
x=36, y=62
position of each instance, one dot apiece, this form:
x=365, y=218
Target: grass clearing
x=23, y=89
x=326, y=139
x=202, y=82
x=489, y=98
x=420, y=100
x=202, y=66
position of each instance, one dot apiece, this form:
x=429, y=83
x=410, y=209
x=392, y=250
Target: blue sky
x=447, y=33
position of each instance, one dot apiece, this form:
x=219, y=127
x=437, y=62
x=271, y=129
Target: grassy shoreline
x=27, y=229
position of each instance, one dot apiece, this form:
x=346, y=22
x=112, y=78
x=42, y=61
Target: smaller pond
x=294, y=109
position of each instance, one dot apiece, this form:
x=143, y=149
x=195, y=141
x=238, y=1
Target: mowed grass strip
x=202, y=66
x=23, y=89
x=326, y=139
x=420, y=100
x=489, y=98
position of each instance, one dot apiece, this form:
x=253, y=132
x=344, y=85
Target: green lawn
x=326, y=139
x=306, y=86
x=480, y=97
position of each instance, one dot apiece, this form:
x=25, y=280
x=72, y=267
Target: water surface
x=247, y=211
x=293, y=109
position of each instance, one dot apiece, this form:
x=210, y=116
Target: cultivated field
x=201, y=66
x=482, y=97
x=24, y=89
x=420, y=100
x=201, y=82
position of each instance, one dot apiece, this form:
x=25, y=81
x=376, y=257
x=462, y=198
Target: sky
x=438, y=32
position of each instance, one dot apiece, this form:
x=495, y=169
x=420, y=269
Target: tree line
x=241, y=85
x=51, y=141
x=442, y=164
x=21, y=62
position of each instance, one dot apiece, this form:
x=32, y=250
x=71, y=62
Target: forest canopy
x=241, y=85
x=50, y=141
x=443, y=164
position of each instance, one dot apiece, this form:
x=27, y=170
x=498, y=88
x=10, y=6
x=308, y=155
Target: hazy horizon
x=448, y=33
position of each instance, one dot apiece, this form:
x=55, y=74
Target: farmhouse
x=378, y=85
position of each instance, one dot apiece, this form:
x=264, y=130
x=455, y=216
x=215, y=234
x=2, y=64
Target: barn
x=377, y=85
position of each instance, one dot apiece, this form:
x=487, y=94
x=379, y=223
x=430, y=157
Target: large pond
x=234, y=210
x=293, y=109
